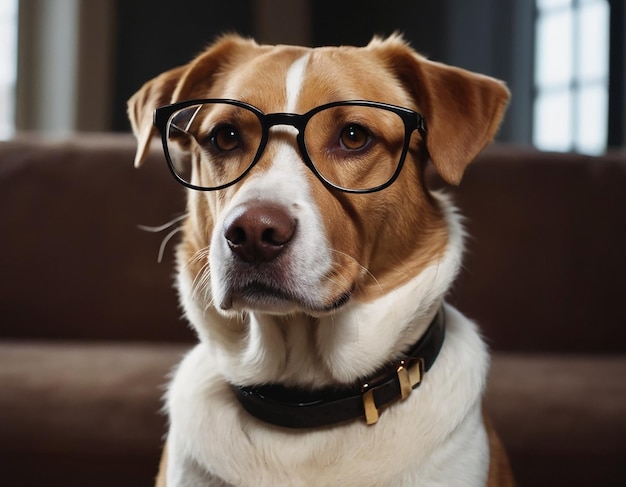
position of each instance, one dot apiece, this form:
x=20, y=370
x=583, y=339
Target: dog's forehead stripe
x=295, y=78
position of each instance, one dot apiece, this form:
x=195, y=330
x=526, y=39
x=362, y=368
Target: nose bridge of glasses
x=284, y=119
x=287, y=127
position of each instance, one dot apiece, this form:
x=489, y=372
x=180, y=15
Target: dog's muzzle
x=258, y=263
x=270, y=257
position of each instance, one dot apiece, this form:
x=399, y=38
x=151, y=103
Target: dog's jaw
x=373, y=331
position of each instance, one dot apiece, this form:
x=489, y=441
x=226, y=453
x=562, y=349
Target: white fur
x=285, y=184
x=434, y=438
x=295, y=78
x=444, y=413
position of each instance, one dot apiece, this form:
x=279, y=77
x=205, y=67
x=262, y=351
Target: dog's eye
x=225, y=138
x=354, y=137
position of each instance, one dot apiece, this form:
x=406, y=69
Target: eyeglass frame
x=412, y=121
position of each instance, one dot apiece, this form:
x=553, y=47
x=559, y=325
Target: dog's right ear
x=141, y=105
x=192, y=80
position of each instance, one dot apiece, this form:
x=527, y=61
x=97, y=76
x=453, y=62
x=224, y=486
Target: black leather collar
x=297, y=408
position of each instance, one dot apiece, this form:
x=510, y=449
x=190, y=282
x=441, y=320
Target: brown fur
x=451, y=100
x=161, y=476
x=500, y=473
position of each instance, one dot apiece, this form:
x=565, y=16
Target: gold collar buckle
x=409, y=372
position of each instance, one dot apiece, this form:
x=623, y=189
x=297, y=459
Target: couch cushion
x=562, y=418
x=77, y=414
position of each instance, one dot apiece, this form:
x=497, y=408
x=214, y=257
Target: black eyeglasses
x=354, y=146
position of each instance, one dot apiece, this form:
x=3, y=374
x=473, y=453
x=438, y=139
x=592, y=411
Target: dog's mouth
x=259, y=296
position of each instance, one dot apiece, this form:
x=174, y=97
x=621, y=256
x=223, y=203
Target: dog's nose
x=259, y=232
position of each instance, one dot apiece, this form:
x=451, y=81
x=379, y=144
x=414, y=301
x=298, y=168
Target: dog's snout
x=259, y=232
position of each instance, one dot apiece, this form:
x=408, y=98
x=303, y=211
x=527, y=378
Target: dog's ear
x=141, y=105
x=189, y=81
x=462, y=110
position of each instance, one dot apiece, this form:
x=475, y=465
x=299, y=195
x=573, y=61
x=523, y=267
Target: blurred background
x=89, y=323
x=70, y=65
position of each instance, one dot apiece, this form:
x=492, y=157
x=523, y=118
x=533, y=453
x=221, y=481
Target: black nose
x=259, y=232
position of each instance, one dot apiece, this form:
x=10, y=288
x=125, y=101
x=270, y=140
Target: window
x=8, y=61
x=571, y=75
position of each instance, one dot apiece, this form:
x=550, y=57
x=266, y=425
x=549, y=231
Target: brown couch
x=89, y=323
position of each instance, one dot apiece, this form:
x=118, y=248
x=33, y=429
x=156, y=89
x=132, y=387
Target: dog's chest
x=436, y=437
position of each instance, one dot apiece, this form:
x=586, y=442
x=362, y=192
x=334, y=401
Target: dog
x=314, y=263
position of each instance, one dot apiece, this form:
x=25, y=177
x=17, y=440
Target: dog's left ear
x=463, y=110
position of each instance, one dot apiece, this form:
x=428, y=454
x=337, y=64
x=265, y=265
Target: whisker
x=168, y=237
x=202, y=278
x=165, y=226
x=198, y=256
x=365, y=270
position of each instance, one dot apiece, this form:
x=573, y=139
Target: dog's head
x=282, y=234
